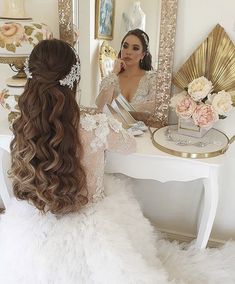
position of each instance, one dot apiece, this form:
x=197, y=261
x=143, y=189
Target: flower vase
x=188, y=127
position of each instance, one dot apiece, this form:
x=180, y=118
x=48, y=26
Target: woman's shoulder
x=95, y=129
x=90, y=122
x=151, y=77
x=151, y=73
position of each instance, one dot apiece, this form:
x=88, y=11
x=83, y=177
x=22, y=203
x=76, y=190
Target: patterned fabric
x=146, y=89
x=100, y=133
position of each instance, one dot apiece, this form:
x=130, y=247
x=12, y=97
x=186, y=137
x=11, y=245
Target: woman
x=63, y=227
x=132, y=74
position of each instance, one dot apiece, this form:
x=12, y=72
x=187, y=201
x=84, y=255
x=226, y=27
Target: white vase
x=188, y=127
x=136, y=17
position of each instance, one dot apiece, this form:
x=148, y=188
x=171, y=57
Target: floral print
x=101, y=125
x=15, y=35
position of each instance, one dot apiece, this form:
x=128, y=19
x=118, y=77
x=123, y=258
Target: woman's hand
x=119, y=66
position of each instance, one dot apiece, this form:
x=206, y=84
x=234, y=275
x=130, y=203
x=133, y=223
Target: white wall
x=151, y=8
x=196, y=19
x=44, y=11
x=88, y=52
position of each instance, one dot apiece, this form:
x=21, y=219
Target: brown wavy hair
x=46, y=150
x=146, y=63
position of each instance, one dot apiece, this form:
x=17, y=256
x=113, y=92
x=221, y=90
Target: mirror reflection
x=89, y=47
x=123, y=14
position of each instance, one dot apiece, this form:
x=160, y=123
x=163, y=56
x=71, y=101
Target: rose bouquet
x=200, y=104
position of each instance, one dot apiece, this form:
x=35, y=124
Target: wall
x=151, y=8
x=88, y=52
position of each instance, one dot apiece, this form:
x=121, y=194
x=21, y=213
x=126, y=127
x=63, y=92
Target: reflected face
x=132, y=50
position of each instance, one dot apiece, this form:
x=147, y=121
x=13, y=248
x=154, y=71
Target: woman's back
x=58, y=247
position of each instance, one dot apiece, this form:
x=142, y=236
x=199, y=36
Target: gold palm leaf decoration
x=213, y=59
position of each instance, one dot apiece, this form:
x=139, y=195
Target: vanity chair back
x=5, y=183
x=107, y=57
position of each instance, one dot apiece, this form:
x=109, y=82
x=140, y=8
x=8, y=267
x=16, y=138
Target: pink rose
x=185, y=107
x=204, y=115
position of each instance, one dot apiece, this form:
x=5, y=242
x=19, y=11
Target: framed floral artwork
x=104, y=21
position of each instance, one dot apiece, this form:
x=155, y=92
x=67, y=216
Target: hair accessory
x=26, y=69
x=146, y=42
x=74, y=74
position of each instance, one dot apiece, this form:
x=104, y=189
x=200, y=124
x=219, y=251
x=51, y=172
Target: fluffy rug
x=107, y=242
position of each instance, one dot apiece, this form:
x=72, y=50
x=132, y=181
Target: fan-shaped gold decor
x=213, y=59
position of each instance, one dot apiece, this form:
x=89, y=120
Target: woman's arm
x=109, y=85
x=106, y=95
x=118, y=139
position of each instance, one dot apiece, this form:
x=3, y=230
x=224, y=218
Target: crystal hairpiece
x=146, y=42
x=74, y=74
x=26, y=69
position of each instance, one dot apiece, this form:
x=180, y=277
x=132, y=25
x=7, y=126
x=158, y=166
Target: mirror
x=163, y=55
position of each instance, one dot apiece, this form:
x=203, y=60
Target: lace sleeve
x=119, y=140
x=109, y=81
x=108, y=134
x=108, y=90
x=99, y=133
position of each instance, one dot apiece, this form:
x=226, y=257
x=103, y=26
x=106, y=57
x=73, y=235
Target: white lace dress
x=108, y=241
x=144, y=98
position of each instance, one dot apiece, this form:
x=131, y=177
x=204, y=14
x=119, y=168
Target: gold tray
x=213, y=143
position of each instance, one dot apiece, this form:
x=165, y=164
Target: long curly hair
x=46, y=150
x=146, y=63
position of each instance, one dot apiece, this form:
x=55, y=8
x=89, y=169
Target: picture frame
x=104, y=19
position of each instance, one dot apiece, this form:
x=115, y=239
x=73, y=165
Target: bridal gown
x=146, y=88
x=145, y=97
x=109, y=241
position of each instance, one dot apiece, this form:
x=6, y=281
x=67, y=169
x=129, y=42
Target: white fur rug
x=108, y=242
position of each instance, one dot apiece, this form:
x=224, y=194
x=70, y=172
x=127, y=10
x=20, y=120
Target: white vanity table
x=150, y=163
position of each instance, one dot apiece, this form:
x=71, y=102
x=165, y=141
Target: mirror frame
x=65, y=12
x=165, y=50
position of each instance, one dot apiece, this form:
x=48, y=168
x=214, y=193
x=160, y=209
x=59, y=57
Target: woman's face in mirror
x=132, y=50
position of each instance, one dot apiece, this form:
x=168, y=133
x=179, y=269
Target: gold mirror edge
x=165, y=58
x=65, y=10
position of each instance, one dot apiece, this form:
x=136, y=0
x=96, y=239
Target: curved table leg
x=211, y=195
